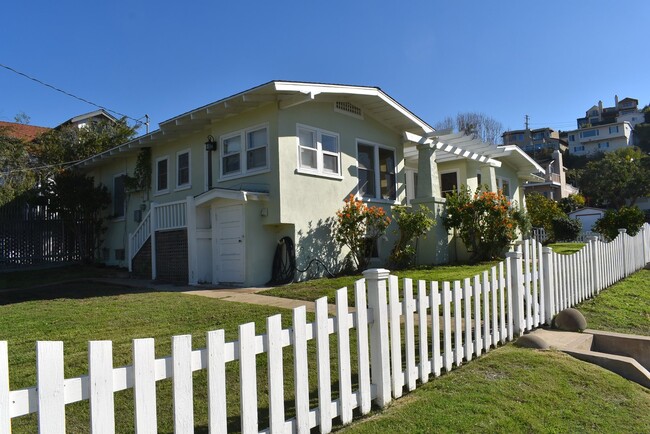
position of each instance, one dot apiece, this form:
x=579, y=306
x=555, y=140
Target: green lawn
x=566, y=248
x=120, y=315
x=24, y=279
x=513, y=390
x=623, y=308
x=520, y=390
x=314, y=289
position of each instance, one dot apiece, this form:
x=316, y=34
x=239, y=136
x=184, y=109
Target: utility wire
x=27, y=169
x=9, y=68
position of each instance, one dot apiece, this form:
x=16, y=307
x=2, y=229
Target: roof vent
x=348, y=109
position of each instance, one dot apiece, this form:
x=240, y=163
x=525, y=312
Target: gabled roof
x=22, y=131
x=372, y=101
x=94, y=114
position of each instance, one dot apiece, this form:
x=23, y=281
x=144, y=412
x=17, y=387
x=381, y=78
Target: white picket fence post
x=621, y=235
x=379, y=350
x=5, y=416
x=518, y=314
x=549, y=284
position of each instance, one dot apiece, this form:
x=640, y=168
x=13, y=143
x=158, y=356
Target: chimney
x=600, y=106
x=616, y=101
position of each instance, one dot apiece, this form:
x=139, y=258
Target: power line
x=9, y=68
x=48, y=166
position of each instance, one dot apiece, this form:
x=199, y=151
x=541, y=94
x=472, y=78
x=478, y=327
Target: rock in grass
x=570, y=320
x=532, y=341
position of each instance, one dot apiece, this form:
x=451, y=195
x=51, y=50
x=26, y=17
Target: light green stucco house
x=286, y=156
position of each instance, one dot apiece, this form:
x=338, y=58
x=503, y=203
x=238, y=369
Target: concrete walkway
x=239, y=295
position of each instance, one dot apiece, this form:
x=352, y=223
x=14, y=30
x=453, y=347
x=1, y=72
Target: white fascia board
x=353, y=90
x=509, y=149
x=219, y=193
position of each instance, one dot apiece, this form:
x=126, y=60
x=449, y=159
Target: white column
x=489, y=177
x=192, y=253
x=428, y=182
x=379, y=350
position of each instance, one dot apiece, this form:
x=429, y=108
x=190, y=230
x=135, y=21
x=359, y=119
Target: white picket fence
x=405, y=334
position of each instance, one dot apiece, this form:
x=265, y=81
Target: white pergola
x=426, y=152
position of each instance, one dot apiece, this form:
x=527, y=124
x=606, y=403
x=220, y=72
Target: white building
x=600, y=138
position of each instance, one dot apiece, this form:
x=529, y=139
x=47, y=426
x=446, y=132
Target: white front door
x=230, y=244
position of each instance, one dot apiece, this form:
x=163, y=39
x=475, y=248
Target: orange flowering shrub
x=359, y=226
x=485, y=221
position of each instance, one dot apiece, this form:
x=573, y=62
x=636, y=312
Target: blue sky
x=549, y=59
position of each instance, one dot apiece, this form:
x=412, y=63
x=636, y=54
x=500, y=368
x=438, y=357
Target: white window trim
x=243, y=170
x=123, y=217
x=320, y=165
x=410, y=184
x=377, y=197
x=165, y=191
x=444, y=172
x=188, y=185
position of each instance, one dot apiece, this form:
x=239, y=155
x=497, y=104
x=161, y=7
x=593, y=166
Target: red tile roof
x=21, y=131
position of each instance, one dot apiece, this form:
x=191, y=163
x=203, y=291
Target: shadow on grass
x=73, y=290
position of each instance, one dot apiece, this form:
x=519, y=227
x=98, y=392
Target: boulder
x=532, y=341
x=570, y=320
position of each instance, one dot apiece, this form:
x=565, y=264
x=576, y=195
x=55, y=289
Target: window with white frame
x=244, y=151
x=448, y=183
x=376, y=171
x=613, y=129
x=318, y=151
x=119, y=196
x=162, y=175
x=183, y=169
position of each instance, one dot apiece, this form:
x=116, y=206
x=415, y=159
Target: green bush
x=566, y=229
x=411, y=224
x=629, y=218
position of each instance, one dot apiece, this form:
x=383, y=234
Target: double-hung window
x=376, y=171
x=183, y=169
x=318, y=151
x=162, y=175
x=244, y=152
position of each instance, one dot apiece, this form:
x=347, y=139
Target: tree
x=80, y=204
x=70, y=143
x=572, y=202
x=629, y=218
x=619, y=178
x=16, y=177
x=542, y=211
x=484, y=126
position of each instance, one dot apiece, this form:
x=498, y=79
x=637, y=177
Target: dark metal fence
x=31, y=233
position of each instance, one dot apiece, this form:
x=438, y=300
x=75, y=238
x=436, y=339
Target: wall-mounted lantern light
x=211, y=144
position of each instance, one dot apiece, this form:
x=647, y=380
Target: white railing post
x=517, y=279
x=153, y=224
x=379, y=351
x=549, y=286
x=129, y=254
x=621, y=233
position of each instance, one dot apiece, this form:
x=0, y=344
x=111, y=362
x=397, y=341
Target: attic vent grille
x=348, y=108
